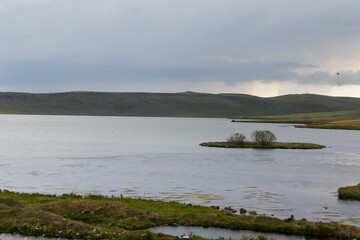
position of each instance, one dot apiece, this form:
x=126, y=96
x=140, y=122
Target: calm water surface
x=161, y=158
x=216, y=233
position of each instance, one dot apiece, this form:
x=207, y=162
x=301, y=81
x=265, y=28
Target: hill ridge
x=183, y=104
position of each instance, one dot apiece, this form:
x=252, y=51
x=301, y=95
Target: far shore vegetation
x=262, y=139
x=117, y=217
x=347, y=120
x=349, y=192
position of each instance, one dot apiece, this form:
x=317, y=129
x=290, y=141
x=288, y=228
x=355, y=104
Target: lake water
x=20, y=237
x=161, y=158
x=216, y=233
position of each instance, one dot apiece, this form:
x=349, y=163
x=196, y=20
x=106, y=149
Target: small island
x=349, y=192
x=277, y=145
x=261, y=139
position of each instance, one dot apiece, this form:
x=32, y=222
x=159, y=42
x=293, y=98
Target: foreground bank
x=99, y=217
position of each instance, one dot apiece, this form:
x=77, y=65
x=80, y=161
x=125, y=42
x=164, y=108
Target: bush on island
x=236, y=138
x=263, y=137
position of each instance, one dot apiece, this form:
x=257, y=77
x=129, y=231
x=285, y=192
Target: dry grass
x=348, y=122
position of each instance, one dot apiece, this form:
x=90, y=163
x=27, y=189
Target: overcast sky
x=258, y=47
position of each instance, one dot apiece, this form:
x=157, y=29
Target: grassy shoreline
x=100, y=217
x=349, y=192
x=350, y=120
x=275, y=145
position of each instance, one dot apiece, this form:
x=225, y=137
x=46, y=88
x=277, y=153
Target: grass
x=347, y=120
x=275, y=145
x=94, y=217
x=349, y=192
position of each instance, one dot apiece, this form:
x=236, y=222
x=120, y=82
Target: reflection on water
x=216, y=233
x=161, y=158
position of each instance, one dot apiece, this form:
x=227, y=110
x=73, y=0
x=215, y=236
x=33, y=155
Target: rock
x=252, y=213
x=291, y=219
x=303, y=220
x=229, y=209
x=85, y=211
x=215, y=207
x=243, y=211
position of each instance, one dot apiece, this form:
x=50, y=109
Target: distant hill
x=187, y=104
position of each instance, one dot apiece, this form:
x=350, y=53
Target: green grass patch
x=349, y=192
x=275, y=145
x=99, y=217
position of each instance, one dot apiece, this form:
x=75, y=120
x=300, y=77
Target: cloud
x=52, y=45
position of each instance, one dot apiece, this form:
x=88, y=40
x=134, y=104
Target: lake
x=218, y=233
x=161, y=158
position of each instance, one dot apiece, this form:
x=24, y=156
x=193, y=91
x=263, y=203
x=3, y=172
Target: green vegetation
x=276, y=145
x=99, y=217
x=187, y=104
x=349, y=192
x=348, y=120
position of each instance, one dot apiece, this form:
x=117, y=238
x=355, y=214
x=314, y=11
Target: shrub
x=263, y=137
x=236, y=138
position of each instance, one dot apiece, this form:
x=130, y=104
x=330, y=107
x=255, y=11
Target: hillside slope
x=188, y=104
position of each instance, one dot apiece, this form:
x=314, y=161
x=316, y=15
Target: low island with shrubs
x=260, y=139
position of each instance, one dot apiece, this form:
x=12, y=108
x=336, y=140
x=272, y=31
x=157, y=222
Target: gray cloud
x=47, y=43
x=344, y=78
x=43, y=72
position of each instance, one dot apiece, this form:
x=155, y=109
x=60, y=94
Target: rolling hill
x=187, y=104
